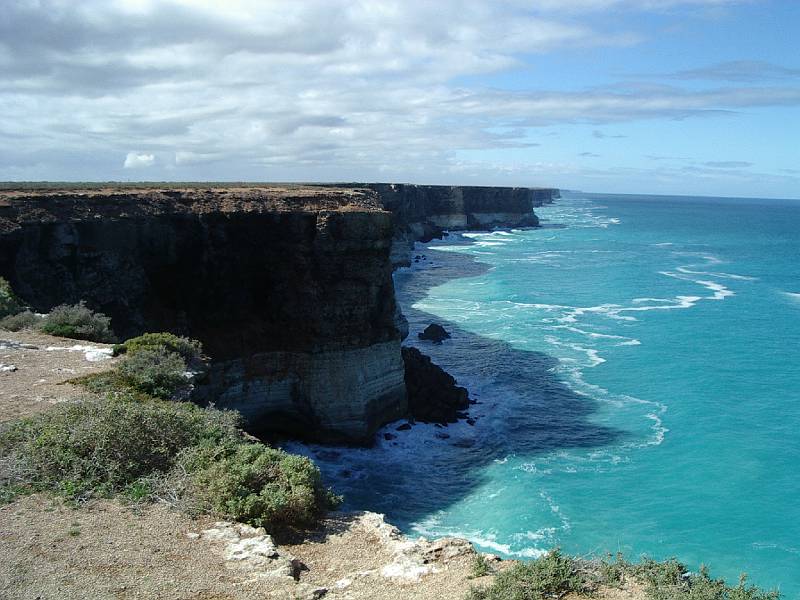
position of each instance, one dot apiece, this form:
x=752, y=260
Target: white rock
x=92, y=353
x=7, y=368
x=411, y=559
x=343, y=583
x=250, y=548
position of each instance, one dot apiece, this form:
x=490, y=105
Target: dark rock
x=404, y=427
x=389, y=436
x=442, y=435
x=433, y=396
x=435, y=333
x=470, y=421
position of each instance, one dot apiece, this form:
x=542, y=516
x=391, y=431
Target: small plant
x=190, y=350
x=9, y=303
x=614, y=571
x=79, y=322
x=552, y=576
x=154, y=371
x=23, y=320
x=480, y=566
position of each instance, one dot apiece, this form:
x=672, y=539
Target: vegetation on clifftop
x=124, y=441
x=556, y=575
x=75, y=321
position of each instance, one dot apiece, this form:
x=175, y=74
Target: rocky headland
x=425, y=212
x=289, y=288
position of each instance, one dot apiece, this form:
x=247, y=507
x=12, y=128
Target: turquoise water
x=636, y=366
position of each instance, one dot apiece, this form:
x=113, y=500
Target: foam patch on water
x=793, y=296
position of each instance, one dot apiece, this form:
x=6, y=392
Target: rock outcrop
x=433, y=396
x=289, y=289
x=434, y=333
x=423, y=212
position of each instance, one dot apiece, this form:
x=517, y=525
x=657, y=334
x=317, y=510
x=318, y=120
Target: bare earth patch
x=36, y=366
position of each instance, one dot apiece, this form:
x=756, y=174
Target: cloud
x=135, y=160
x=322, y=89
x=605, y=136
x=589, y=155
x=728, y=164
x=738, y=71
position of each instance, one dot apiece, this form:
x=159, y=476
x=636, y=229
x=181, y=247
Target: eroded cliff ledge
x=288, y=288
x=424, y=212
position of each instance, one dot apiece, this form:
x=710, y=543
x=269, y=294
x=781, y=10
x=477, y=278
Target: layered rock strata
x=424, y=212
x=289, y=289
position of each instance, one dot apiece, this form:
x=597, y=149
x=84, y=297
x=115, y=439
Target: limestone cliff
x=289, y=289
x=424, y=212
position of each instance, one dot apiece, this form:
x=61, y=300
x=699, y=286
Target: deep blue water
x=636, y=366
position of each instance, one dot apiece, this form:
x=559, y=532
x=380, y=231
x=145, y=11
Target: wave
x=793, y=296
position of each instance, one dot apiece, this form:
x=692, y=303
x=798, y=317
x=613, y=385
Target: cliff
x=289, y=289
x=424, y=212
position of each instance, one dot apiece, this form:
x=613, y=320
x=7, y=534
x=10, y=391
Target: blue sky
x=638, y=96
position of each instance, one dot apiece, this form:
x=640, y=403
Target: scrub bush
x=24, y=320
x=78, y=322
x=552, y=576
x=154, y=371
x=99, y=447
x=148, y=449
x=9, y=303
x=256, y=484
x=190, y=350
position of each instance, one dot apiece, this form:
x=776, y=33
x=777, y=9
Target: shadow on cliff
x=523, y=409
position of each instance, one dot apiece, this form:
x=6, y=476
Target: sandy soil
x=42, y=364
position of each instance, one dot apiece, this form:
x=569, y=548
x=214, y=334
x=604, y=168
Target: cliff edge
x=288, y=288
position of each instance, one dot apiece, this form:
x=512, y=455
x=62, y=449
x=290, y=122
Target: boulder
x=435, y=333
x=433, y=396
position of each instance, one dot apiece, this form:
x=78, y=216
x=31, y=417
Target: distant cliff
x=290, y=291
x=424, y=212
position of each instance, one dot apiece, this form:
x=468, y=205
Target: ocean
x=636, y=371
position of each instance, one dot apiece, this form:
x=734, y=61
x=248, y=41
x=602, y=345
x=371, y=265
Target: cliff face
x=289, y=290
x=423, y=212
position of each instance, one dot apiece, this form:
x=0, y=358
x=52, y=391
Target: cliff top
x=50, y=202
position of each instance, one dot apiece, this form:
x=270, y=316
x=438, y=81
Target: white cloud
x=323, y=89
x=135, y=160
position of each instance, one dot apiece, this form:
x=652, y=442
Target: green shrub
x=480, y=567
x=256, y=484
x=190, y=350
x=154, y=371
x=669, y=580
x=9, y=303
x=77, y=321
x=144, y=449
x=20, y=321
x=551, y=576
x=102, y=447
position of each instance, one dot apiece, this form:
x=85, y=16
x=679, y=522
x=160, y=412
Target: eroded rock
x=433, y=396
x=435, y=333
x=249, y=548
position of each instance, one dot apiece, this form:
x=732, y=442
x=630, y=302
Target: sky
x=696, y=97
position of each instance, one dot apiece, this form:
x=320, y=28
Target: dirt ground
x=41, y=364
